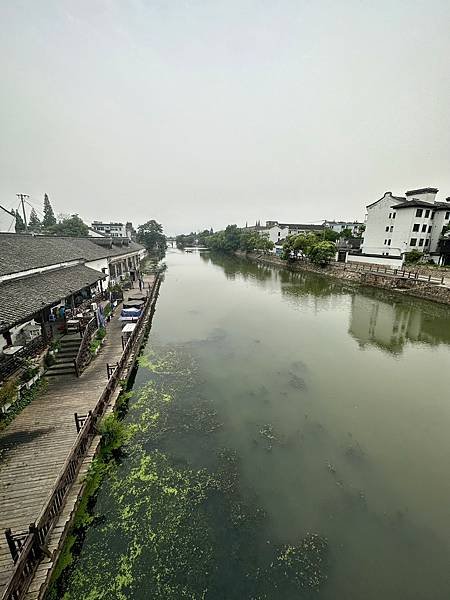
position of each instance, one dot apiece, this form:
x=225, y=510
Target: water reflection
x=377, y=318
x=234, y=266
x=390, y=324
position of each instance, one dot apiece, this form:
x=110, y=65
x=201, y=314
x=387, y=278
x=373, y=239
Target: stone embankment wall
x=412, y=287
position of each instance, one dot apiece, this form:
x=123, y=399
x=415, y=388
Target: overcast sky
x=203, y=113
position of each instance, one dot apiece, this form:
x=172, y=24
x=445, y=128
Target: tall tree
x=20, y=225
x=72, y=227
x=34, y=223
x=49, y=219
x=151, y=235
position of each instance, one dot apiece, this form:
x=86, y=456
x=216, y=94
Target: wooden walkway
x=35, y=445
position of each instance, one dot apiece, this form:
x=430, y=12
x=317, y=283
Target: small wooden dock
x=35, y=446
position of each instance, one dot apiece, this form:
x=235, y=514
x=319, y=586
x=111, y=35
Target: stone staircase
x=64, y=365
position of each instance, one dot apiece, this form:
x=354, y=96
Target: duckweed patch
x=172, y=520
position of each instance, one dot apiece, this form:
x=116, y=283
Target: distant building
x=398, y=224
x=110, y=229
x=276, y=232
x=339, y=226
x=130, y=231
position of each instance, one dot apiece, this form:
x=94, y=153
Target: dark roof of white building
x=22, y=298
x=22, y=252
x=422, y=204
x=428, y=190
x=303, y=226
x=384, y=196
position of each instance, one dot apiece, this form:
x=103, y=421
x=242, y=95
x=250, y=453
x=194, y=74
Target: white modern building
x=399, y=224
x=112, y=229
x=339, y=226
x=275, y=231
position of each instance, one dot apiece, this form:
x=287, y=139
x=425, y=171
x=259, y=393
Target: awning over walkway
x=20, y=299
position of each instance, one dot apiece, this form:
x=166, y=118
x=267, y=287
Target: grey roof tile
x=21, y=298
x=21, y=252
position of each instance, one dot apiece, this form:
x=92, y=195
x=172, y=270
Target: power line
x=38, y=210
x=14, y=222
x=22, y=198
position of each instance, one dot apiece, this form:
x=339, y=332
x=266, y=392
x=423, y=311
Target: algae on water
x=172, y=520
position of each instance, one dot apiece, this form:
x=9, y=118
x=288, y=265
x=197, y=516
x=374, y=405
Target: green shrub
x=101, y=333
x=30, y=371
x=413, y=257
x=114, y=435
x=95, y=343
x=8, y=392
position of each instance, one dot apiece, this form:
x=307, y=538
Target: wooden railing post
x=11, y=544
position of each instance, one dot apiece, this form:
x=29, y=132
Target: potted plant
x=8, y=394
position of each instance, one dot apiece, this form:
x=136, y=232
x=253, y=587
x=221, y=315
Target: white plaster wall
x=402, y=226
x=275, y=233
x=386, y=261
x=377, y=221
x=98, y=265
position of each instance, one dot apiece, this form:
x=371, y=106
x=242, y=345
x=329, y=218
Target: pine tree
x=20, y=225
x=49, y=217
x=34, y=224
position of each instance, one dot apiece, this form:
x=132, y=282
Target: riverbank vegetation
x=319, y=248
x=193, y=238
x=150, y=235
x=231, y=239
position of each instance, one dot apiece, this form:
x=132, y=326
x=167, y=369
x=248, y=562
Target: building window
x=432, y=215
x=421, y=242
x=392, y=228
x=447, y=215
x=390, y=215
x=416, y=227
x=387, y=228
x=427, y=242
x=419, y=212
x=429, y=229
x=393, y=215
x=385, y=242
x=413, y=241
x=424, y=228
x=389, y=242
x=427, y=213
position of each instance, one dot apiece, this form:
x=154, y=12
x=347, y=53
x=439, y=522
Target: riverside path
x=34, y=447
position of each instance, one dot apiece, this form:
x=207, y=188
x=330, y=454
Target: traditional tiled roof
x=384, y=196
x=21, y=298
x=22, y=252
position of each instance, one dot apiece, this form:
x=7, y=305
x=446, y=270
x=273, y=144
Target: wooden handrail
x=33, y=547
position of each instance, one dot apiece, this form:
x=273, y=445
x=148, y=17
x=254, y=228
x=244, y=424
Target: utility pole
x=22, y=198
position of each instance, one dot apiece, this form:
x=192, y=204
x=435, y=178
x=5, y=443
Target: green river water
x=289, y=438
